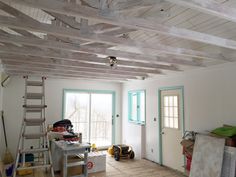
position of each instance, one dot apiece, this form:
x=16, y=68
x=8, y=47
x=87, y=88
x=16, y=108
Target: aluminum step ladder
x=33, y=130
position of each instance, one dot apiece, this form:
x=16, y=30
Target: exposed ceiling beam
x=99, y=28
x=94, y=50
x=69, y=69
x=54, y=44
x=52, y=62
x=141, y=46
x=135, y=23
x=20, y=72
x=2, y=32
x=209, y=7
x=54, y=76
x=12, y=11
x=66, y=56
x=25, y=33
x=58, y=71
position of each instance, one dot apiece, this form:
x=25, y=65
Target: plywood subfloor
x=128, y=168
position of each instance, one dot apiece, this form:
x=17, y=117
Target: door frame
x=113, y=93
x=181, y=88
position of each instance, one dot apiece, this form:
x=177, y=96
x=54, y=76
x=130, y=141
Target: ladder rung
x=33, y=167
x=34, y=136
x=33, y=110
x=35, y=106
x=34, y=150
x=34, y=122
x=34, y=96
x=34, y=83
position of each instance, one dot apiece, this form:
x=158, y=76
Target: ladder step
x=34, y=96
x=34, y=83
x=34, y=136
x=34, y=150
x=35, y=106
x=33, y=110
x=34, y=122
x=34, y=167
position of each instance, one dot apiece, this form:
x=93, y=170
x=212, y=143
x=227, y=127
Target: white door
x=171, y=118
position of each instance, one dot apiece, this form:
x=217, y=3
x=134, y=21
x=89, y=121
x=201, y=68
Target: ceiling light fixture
x=112, y=61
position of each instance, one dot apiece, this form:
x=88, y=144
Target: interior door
x=171, y=118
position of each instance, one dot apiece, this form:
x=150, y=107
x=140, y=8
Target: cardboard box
x=72, y=171
x=96, y=162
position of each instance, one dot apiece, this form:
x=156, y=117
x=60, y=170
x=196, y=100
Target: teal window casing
x=137, y=106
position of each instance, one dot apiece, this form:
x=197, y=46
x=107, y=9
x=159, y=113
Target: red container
x=189, y=160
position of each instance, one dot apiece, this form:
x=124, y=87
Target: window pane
x=142, y=106
x=175, y=101
x=171, y=122
x=77, y=110
x=166, y=122
x=176, y=112
x=176, y=123
x=101, y=119
x=171, y=109
x=166, y=101
x=166, y=111
x=171, y=101
x=134, y=115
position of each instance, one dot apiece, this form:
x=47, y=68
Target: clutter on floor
x=226, y=132
x=65, y=142
x=121, y=151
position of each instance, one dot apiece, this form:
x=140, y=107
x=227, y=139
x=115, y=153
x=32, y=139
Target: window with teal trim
x=136, y=109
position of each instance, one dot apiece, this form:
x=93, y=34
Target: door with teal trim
x=171, y=130
x=91, y=113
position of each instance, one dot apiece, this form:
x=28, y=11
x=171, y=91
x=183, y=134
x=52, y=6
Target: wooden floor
x=135, y=168
x=127, y=168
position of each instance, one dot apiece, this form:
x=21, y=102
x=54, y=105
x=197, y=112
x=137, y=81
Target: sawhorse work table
x=73, y=149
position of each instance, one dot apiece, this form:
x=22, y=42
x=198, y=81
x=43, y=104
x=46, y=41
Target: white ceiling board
x=37, y=14
x=165, y=13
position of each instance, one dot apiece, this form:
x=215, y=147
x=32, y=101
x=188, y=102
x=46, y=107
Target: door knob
x=162, y=133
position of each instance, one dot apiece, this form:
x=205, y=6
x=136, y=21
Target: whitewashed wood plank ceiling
x=147, y=37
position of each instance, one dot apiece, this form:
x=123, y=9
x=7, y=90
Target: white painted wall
x=13, y=101
x=210, y=101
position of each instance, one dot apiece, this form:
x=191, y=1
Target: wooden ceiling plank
x=136, y=23
x=61, y=62
x=209, y=7
x=58, y=75
x=141, y=46
x=23, y=51
x=39, y=69
x=69, y=68
x=13, y=39
x=25, y=33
